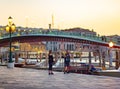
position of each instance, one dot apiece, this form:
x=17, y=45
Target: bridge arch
x=59, y=38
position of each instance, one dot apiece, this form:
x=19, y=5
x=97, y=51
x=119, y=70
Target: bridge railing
x=57, y=33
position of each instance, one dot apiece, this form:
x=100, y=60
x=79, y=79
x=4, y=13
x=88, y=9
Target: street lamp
x=10, y=28
x=111, y=44
x=110, y=53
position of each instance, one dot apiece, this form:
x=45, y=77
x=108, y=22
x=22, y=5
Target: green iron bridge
x=54, y=35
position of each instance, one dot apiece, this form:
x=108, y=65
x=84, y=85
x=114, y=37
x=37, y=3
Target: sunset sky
x=101, y=15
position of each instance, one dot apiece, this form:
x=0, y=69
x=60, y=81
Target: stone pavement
x=23, y=78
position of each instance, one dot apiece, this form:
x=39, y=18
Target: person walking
x=66, y=62
x=50, y=61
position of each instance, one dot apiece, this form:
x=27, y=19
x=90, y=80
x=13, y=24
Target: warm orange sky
x=101, y=15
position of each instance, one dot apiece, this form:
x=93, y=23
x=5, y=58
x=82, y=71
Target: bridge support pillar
x=110, y=57
x=103, y=60
x=100, y=57
x=117, y=60
x=16, y=57
x=46, y=57
x=89, y=60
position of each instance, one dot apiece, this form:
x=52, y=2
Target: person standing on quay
x=50, y=61
x=66, y=62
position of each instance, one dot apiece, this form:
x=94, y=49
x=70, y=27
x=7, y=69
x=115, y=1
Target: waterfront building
x=114, y=38
x=32, y=50
x=55, y=46
x=82, y=31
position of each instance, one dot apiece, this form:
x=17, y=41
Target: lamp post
x=10, y=28
x=110, y=53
